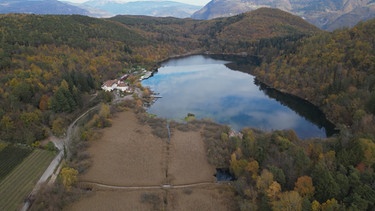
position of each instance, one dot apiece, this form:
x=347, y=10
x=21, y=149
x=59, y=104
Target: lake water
x=207, y=88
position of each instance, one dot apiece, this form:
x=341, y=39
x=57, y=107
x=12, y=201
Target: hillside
x=216, y=35
x=49, y=64
x=327, y=15
x=259, y=24
x=334, y=71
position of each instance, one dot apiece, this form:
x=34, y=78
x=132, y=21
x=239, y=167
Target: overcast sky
x=194, y=2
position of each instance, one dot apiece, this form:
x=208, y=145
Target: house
x=109, y=85
x=123, y=87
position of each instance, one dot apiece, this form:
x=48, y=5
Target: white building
x=110, y=85
x=122, y=86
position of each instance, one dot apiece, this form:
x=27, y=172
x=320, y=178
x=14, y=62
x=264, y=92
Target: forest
x=335, y=71
x=278, y=171
x=51, y=66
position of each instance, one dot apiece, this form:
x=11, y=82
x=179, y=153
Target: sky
x=193, y=2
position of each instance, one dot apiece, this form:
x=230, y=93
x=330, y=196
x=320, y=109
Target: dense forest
x=278, y=171
x=51, y=66
x=335, y=71
x=217, y=36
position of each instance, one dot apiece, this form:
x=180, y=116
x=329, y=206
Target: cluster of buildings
x=117, y=84
x=120, y=84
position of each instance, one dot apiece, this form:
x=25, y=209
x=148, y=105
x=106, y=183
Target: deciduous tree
x=289, y=201
x=304, y=186
x=69, y=177
x=264, y=180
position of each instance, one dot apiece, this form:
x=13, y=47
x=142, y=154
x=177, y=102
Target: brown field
x=126, y=155
x=130, y=167
x=188, y=162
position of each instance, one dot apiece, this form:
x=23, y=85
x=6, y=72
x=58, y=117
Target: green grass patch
x=10, y=156
x=16, y=186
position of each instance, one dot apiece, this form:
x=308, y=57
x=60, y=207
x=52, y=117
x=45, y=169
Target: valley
x=52, y=66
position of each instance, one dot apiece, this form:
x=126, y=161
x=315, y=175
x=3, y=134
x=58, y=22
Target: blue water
x=207, y=88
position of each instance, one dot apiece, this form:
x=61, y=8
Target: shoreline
x=318, y=117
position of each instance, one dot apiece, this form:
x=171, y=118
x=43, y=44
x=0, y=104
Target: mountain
x=326, y=14
x=234, y=34
x=40, y=7
x=149, y=8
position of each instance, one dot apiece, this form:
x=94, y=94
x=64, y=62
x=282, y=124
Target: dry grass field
x=188, y=162
x=126, y=155
x=130, y=167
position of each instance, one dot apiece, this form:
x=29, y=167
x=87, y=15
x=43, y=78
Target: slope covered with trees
x=235, y=34
x=49, y=63
x=335, y=71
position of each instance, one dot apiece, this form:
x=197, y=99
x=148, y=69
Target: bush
x=50, y=146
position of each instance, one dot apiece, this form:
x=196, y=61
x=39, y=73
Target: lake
x=207, y=88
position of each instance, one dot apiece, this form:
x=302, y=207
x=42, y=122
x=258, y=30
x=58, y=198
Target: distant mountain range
x=99, y=8
x=149, y=8
x=326, y=14
x=40, y=7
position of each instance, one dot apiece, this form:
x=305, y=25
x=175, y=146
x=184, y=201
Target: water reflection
x=302, y=107
x=209, y=89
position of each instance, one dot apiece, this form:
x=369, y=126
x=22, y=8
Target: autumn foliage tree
x=304, y=186
x=289, y=201
x=69, y=177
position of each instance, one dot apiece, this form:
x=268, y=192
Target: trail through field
x=96, y=185
x=150, y=173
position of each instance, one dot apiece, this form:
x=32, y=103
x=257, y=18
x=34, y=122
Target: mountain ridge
x=151, y=8
x=40, y=7
x=324, y=14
